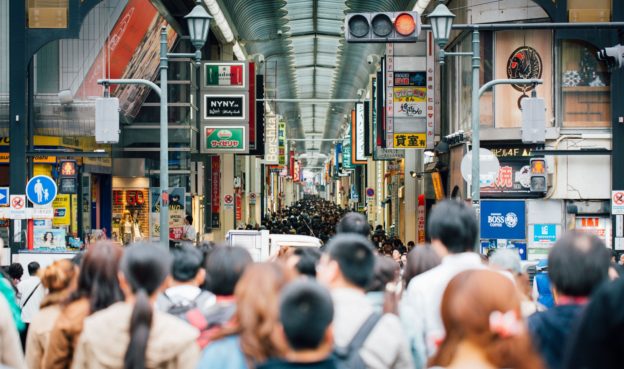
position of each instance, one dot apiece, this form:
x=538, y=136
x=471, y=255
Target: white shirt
x=189, y=233
x=25, y=288
x=424, y=297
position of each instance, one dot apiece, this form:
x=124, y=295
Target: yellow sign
x=409, y=94
x=62, y=211
x=4, y=158
x=410, y=140
x=437, y=185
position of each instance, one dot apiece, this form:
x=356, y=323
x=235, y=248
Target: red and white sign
x=18, y=206
x=421, y=219
x=239, y=206
x=252, y=198
x=228, y=200
x=617, y=202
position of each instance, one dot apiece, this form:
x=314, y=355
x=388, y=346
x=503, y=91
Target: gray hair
x=507, y=259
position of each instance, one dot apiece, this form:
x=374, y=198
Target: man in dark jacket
x=578, y=263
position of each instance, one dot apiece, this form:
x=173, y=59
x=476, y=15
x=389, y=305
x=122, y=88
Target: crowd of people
x=349, y=305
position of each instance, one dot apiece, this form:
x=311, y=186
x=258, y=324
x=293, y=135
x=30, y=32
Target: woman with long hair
x=252, y=339
x=483, y=323
x=97, y=288
x=58, y=279
x=131, y=334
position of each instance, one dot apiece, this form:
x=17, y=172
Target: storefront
x=131, y=209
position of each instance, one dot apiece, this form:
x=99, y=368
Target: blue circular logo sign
x=41, y=190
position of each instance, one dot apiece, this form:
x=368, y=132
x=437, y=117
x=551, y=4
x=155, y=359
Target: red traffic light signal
x=382, y=27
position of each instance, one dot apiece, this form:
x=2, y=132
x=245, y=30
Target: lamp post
x=441, y=19
x=198, y=21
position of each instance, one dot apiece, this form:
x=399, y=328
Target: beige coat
x=11, y=353
x=105, y=337
x=39, y=335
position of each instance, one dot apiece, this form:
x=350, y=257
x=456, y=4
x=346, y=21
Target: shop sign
x=239, y=207
x=49, y=238
x=503, y=220
x=412, y=79
x=410, y=140
x=63, y=211
x=359, y=134
x=281, y=140
x=225, y=75
x=598, y=226
x=225, y=138
x=438, y=189
x=216, y=190
x=225, y=107
x=177, y=212
x=544, y=233
x=270, y=140
x=421, y=219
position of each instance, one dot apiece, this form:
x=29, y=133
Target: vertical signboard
x=271, y=145
x=281, y=135
x=359, y=134
x=389, y=87
x=430, y=90
x=216, y=190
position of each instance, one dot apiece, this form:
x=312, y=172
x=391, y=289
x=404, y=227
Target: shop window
x=585, y=90
x=47, y=13
x=589, y=11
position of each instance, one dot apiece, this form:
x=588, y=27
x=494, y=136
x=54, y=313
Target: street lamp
x=441, y=19
x=198, y=21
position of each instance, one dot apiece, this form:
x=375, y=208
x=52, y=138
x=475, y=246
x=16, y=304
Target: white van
x=263, y=246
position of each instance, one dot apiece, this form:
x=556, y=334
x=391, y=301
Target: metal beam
x=588, y=151
x=313, y=101
x=73, y=154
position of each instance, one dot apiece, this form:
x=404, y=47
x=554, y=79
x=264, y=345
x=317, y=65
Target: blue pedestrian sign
x=41, y=190
x=4, y=196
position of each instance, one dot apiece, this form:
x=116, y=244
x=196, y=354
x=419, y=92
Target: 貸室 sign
x=225, y=107
x=503, y=220
x=224, y=138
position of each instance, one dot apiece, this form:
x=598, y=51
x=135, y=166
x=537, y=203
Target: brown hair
x=419, y=260
x=257, y=312
x=467, y=303
x=59, y=279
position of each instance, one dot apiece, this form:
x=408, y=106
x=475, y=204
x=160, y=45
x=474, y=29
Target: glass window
x=47, y=69
x=585, y=91
x=47, y=13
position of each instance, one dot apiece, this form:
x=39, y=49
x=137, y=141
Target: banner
x=49, y=238
x=359, y=134
x=177, y=212
x=282, y=142
x=216, y=190
x=271, y=140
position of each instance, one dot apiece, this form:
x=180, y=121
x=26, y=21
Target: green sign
x=224, y=74
x=347, y=152
x=225, y=138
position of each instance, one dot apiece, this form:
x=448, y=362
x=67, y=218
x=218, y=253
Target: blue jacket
x=223, y=354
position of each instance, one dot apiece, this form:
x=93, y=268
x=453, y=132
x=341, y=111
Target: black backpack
x=349, y=357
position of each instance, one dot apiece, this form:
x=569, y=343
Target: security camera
x=280, y=32
x=260, y=59
x=613, y=56
x=370, y=60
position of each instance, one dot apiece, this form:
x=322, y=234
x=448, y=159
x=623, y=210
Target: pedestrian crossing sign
x=41, y=190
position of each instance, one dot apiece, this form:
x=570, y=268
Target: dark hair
x=46, y=234
x=354, y=255
x=578, y=263
x=306, y=310
x=33, y=268
x=145, y=267
x=353, y=223
x=224, y=267
x=419, y=260
x=455, y=225
x=386, y=270
x=15, y=271
x=97, y=279
x=308, y=259
x=189, y=218
x=187, y=261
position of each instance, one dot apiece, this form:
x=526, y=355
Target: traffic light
x=613, y=56
x=382, y=27
x=539, y=183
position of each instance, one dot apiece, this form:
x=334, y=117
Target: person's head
x=347, y=262
x=306, y=312
x=48, y=237
x=305, y=260
x=97, y=279
x=143, y=270
x=16, y=271
x=396, y=255
x=59, y=278
x=257, y=306
x=33, y=268
x=419, y=260
x=508, y=260
x=224, y=267
x=188, y=219
x=452, y=227
x=622, y=258
x=386, y=270
x=353, y=223
x=186, y=267
x=482, y=308
x=577, y=264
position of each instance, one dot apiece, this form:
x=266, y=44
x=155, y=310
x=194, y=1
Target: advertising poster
x=224, y=139
x=599, y=226
x=224, y=74
x=49, y=239
x=503, y=220
x=177, y=212
x=63, y=212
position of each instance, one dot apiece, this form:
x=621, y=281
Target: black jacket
x=550, y=331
